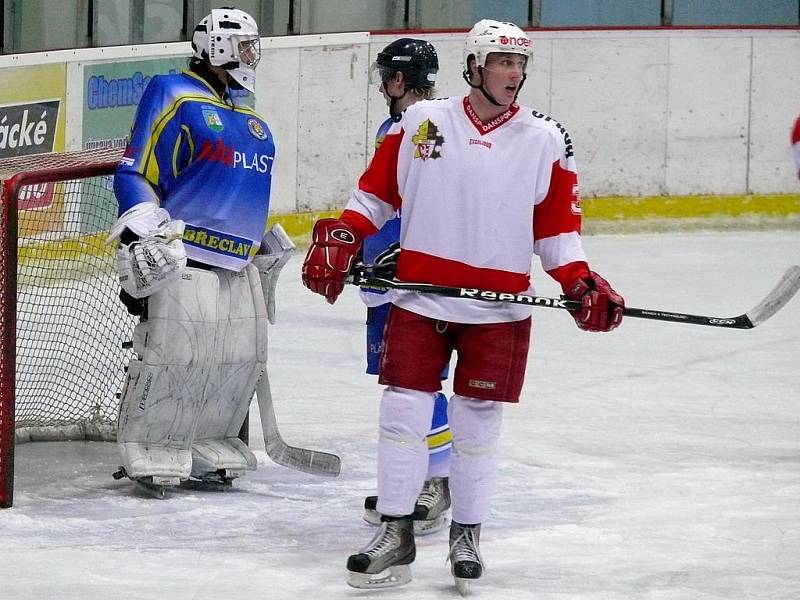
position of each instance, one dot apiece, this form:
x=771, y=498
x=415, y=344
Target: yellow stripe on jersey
x=175, y=149
x=186, y=134
x=190, y=142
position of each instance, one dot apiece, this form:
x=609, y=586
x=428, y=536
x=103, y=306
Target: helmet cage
x=228, y=38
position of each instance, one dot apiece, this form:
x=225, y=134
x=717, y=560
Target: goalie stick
x=306, y=460
x=781, y=294
x=277, y=250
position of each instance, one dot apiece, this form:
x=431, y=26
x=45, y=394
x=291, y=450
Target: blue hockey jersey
x=204, y=160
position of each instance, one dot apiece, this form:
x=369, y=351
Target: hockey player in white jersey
x=193, y=190
x=483, y=184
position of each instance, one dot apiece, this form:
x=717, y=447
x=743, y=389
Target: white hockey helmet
x=488, y=36
x=228, y=38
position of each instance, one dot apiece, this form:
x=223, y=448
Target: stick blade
x=314, y=462
x=784, y=291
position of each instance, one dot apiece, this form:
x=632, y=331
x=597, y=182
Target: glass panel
x=38, y=27
x=734, y=12
x=445, y=14
x=272, y=16
x=600, y=12
x=113, y=23
x=321, y=16
x=251, y=7
x=163, y=21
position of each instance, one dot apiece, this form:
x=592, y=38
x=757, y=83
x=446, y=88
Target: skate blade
x=157, y=487
x=462, y=585
x=428, y=526
x=207, y=485
x=391, y=577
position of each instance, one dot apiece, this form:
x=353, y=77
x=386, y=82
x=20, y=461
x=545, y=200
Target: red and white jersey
x=796, y=145
x=478, y=200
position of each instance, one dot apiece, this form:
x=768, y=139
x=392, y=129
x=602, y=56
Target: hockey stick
x=278, y=249
x=306, y=460
x=781, y=294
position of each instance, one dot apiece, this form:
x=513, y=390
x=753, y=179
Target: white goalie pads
x=157, y=258
x=276, y=250
x=199, y=356
x=241, y=356
x=165, y=383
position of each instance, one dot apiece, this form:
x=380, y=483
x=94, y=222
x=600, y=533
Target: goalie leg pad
x=241, y=351
x=167, y=380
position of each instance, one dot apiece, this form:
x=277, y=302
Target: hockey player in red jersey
x=796, y=146
x=484, y=184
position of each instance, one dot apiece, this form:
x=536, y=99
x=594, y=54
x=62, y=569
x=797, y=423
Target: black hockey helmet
x=415, y=59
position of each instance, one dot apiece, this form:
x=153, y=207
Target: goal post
x=62, y=327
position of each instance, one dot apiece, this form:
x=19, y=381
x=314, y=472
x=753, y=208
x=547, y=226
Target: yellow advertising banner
x=32, y=121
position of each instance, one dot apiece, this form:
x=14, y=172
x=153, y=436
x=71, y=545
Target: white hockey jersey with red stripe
x=478, y=200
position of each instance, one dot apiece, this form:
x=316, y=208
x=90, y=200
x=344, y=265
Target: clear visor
x=379, y=74
x=249, y=51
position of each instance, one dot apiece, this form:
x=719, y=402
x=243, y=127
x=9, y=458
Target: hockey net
x=62, y=326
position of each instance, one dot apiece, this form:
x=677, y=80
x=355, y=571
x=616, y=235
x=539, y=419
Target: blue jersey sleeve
x=138, y=173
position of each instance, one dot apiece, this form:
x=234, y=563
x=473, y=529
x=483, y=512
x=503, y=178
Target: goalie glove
x=155, y=257
x=601, y=307
x=275, y=251
x=334, y=245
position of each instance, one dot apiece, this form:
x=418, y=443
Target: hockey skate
x=466, y=563
x=432, y=510
x=385, y=561
x=152, y=485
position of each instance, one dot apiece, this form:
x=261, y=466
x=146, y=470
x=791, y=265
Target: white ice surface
x=661, y=461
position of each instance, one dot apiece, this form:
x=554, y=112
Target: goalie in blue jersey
x=195, y=263
x=406, y=72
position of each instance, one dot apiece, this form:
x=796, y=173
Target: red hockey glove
x=334, y=244
x=602, y=306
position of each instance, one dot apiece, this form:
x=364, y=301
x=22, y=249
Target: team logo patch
x=212, y=119
x=428, y=141
x=256, y=129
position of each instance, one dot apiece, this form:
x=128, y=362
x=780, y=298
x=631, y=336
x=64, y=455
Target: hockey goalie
x=195, y=263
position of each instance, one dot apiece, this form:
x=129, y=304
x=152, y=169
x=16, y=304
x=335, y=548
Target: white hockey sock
x=473, y=460
x=405, y=418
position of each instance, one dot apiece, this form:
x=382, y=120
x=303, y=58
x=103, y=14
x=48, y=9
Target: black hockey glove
x=385, y=265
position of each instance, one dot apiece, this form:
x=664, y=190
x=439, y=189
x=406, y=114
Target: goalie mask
x=228, y=38
x=489, y=36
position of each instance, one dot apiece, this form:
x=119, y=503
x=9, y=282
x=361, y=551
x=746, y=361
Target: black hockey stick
x=783, y=292
x=306, y=460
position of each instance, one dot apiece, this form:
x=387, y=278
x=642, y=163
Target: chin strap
x=393, y=104
x=487, y=95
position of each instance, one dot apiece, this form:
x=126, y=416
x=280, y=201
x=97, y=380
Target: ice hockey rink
x=660, y=461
